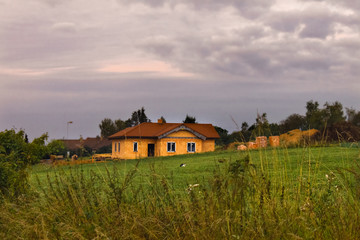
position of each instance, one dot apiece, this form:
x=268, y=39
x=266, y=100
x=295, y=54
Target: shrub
x=15, y=156
x=343, y=131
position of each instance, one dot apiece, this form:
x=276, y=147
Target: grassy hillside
x=296, y=193
x=281, y=164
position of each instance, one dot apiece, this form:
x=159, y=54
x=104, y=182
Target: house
x=163, y=139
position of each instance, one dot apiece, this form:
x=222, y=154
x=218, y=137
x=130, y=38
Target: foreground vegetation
x=297, y=193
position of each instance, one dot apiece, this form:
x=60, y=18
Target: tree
x=350, y=114
x=120, y=125
x=245, y=132
x=353, y=116
x=262, y=125
x=15, y=157
x=38, y=148
x=163, y=119
x=244, y=126
x=189, y=119
x=333, y=113
x=237, y=136
x=356, y=119
x=274, y=129
x=107, y=127
x=56, y=147
x=314, y=116
x=294, y=121
x=128, y=122
x=224, y=137
x=138, y=117
x=321, y=118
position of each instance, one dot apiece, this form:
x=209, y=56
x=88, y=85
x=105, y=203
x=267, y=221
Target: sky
x=220, y=61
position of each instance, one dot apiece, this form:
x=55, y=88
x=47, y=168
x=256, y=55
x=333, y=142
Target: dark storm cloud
x=238, y=58
x=345, y=3
x=315, y=21
x=264, y=53
x=319, y=23
x=248, y=8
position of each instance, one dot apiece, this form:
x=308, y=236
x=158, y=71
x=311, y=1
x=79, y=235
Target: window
x=191, y=147
x=171, y=147
x=117, y=147
x=135, y=146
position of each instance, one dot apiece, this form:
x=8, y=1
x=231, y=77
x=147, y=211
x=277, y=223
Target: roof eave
x=126, y=137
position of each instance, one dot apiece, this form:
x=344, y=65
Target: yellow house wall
x=127, y=148
x=181, y=138
x=209, y=145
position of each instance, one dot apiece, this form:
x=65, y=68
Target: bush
x=56, y=147
x=15, y=156
x=343, y=131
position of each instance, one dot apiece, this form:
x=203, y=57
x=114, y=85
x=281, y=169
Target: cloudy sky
x=84, y=60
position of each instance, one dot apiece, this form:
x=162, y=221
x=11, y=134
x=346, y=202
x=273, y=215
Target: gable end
x=182, y=127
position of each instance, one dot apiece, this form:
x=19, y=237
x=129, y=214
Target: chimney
x=160, y=121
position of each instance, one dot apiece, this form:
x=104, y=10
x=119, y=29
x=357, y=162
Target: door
x=151, y=149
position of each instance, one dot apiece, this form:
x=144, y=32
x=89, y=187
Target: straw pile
x=242, y=147
x=251, y=145
x=296, y=137
x=274, y=141
x=233, y=145
x=261, y=142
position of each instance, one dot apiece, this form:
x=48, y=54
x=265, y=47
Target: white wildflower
x=190, y=188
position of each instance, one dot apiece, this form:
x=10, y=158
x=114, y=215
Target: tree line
x=109, y=126
x=331, y=120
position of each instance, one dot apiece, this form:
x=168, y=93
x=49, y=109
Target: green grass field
x=282, y=165
x=295, y=193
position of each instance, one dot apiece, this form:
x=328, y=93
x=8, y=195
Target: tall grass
x=265, y=194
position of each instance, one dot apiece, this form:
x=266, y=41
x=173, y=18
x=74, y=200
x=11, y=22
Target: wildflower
x=330, y=177
x=306, y=206
x=190, y=188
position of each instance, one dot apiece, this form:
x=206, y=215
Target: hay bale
x=296, y=137
x=261, y=142
x=251, y=145
x=274, y=141
x=242, y=147
x=233, y=145
x=74, y=157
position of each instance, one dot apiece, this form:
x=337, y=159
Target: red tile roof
x=155, y=130
x=93, y=143
x=96, y=143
